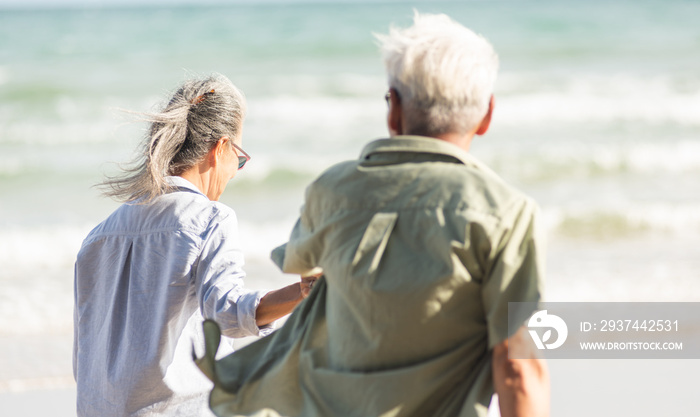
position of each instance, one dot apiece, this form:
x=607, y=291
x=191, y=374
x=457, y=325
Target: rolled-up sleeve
x=516, y=272
x=300, y=254
x=219, y=282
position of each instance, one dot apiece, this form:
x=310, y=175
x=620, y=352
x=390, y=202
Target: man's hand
x=522, y=385
x=278, y=303
x=307, y=283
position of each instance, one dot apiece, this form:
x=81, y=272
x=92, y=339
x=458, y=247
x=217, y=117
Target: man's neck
x=464, y=141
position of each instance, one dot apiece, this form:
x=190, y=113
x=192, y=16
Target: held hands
x=307, y=283
x=280, y=302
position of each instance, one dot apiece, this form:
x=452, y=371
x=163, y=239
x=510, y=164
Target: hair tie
x=201, y=98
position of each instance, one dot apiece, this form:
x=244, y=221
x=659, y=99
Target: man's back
x=411, y=240
x=422, y=248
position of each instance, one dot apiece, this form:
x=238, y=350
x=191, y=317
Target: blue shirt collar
x=179, y=182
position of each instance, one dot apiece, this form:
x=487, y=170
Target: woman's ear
x=217, y=151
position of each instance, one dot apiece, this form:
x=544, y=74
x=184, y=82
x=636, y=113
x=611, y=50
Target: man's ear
x=486, y=121
x=395, y=116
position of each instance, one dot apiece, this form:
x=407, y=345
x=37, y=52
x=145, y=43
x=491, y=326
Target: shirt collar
x=419, y=144
x=179, y=182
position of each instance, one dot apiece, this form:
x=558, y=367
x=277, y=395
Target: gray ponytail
x=199, y=113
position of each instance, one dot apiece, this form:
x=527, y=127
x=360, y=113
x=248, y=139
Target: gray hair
x=443, y=72
x=199, y=113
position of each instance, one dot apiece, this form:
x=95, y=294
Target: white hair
x=443, y=72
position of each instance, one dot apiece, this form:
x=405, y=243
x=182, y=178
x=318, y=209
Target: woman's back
x=171, y=256
x=137, y=286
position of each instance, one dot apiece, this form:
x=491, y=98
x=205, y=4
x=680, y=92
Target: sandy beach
x=580, y=388
x=36, y=376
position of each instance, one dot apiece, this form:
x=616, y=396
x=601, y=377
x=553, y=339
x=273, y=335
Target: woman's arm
x=278, y=303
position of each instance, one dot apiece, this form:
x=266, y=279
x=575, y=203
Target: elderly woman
x=171, y=254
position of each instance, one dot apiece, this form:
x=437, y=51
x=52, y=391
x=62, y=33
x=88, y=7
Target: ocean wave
x=317, y=116
x=45, y=247
x=528, y=100
x=573, y=128
x=55, y=247
x=311, y=112
x=260, y=238
x=4, y=75
x=552, y=161
x=522, y=99
x=302, y=85
x=555, y=159
x=641, y=269
x=36, y=295
x=39, y=383
x=631, y=220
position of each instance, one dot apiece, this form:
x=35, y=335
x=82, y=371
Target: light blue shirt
x=144, y=278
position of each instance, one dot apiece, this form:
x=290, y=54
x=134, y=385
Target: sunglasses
x=242, y=159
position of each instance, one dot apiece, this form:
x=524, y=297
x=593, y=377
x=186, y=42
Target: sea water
x=597, y=117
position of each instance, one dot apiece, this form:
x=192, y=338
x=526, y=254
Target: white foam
x=318, y=113
x=259, y=239
x=677, y=157
x=57, y=132
x=672, y=218
x=646, y=268
x=657, y=218
x=562, y=159
x=348, y=108
x=4, y=75
x=48, y=247
x=597, y=98
x=11, y=165
x=343, y=84
x=41, y=383
x=37, y=275
x=37, y=271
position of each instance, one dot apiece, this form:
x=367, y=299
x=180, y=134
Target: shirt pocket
x=373, y=243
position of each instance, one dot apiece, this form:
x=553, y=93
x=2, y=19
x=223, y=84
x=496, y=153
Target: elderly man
x=421, y=248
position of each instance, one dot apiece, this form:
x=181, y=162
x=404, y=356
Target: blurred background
x=597, y=117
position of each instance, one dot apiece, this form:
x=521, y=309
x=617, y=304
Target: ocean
x=597, y=118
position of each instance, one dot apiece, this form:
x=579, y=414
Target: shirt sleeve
x=76, y=327
x=516, y=269
x=219, y=282
x=300, y=255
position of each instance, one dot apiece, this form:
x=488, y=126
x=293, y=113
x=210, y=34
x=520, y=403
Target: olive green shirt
x=421, y=247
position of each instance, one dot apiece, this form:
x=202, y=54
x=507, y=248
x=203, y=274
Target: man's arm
x=522, y=385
